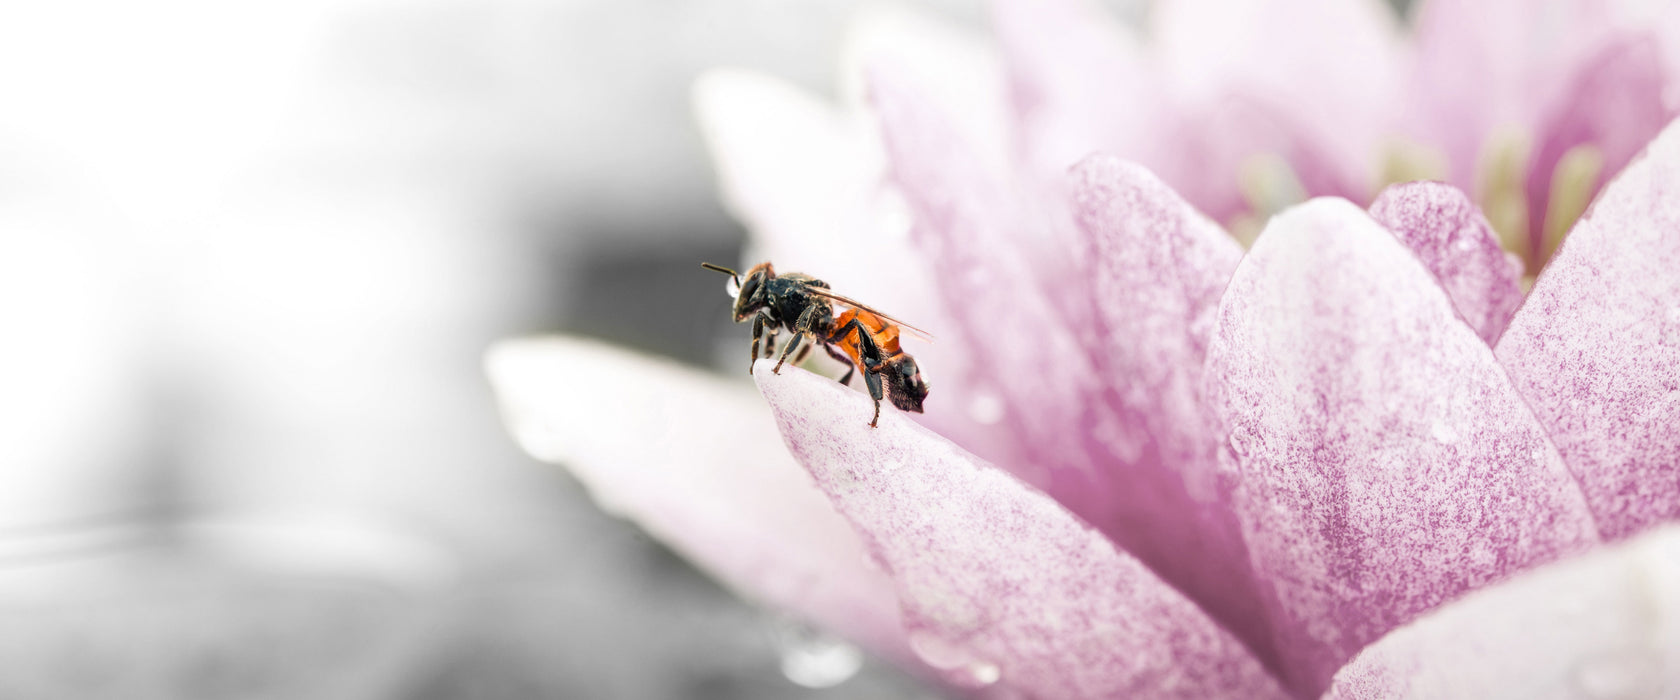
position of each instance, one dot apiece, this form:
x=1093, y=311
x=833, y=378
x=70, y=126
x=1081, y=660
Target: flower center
x=1499, y=183
x=1574, y=182
x=1269, y=185
x=1503, y=169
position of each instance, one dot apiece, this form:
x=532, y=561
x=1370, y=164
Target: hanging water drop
x=984, y=674
x=815, y=659
x=964, y=667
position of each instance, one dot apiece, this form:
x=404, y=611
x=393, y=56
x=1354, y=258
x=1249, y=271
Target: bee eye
x=749, y=289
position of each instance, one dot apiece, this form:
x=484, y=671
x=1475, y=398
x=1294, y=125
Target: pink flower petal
x=1219, y=141
x=998, y=582
x=695, y=460
x=1484, y=65
x=1214, y=49
x=1602, y=625
x=1596, y=347
x=1159, y=269
x=1613, y=102
x=1081, y=84
x=992, y=257
x=1446, y=231
x=1383, y=463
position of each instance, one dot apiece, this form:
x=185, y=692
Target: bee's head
x=748, y=290
x=905, y=387
x=753, y=294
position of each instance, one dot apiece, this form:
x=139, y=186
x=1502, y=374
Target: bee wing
x=827, y=294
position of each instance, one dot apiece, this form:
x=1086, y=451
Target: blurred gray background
x=250, y=258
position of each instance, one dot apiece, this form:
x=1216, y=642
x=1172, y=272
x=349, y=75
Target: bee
x=861, y=337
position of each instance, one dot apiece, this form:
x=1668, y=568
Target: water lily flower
x=1359, y=458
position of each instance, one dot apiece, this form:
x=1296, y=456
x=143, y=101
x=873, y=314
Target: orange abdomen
x=882, y=331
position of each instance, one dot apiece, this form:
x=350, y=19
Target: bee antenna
x=724, y=270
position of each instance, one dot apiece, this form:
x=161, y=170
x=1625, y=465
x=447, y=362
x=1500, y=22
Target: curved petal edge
x=1000, y=584
x=1595, y=348
x=1602, y=625
x=1381, y=460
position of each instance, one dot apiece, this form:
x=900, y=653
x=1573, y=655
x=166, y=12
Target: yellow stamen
x=1269, y=184
x=1500, y=180
x=1574, y=181
x=1409, y=161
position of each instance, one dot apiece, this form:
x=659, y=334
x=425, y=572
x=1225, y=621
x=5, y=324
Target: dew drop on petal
x=812, y=658
x=1242, y=441
x=984, y=673
x=965, y=669
x=937, y=652
x=985, y=407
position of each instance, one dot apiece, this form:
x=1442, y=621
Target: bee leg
x=758, y=332
x=770, y=342
x=800, y=328
x=873, y=380
x=792, y=345
x=850, y=368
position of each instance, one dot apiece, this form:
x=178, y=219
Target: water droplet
x=1629, y=674
x=732, y=288
x=985, y=407
x=985, y=674
x=956, y=658
x=815, y=659
x=1444, y=433
x=937, y=651
x=1242, y=442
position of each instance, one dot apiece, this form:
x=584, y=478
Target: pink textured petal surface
x=1452, y=238
x=696, y=461
x=1602, y=625
x=985, y=247
x=1596, y=347
x=1612, y=102
x=998, y=582
x=806, y=177
x=1382, y=461
x=1158, y=271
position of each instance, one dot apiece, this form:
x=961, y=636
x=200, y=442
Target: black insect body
x=861, y=337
